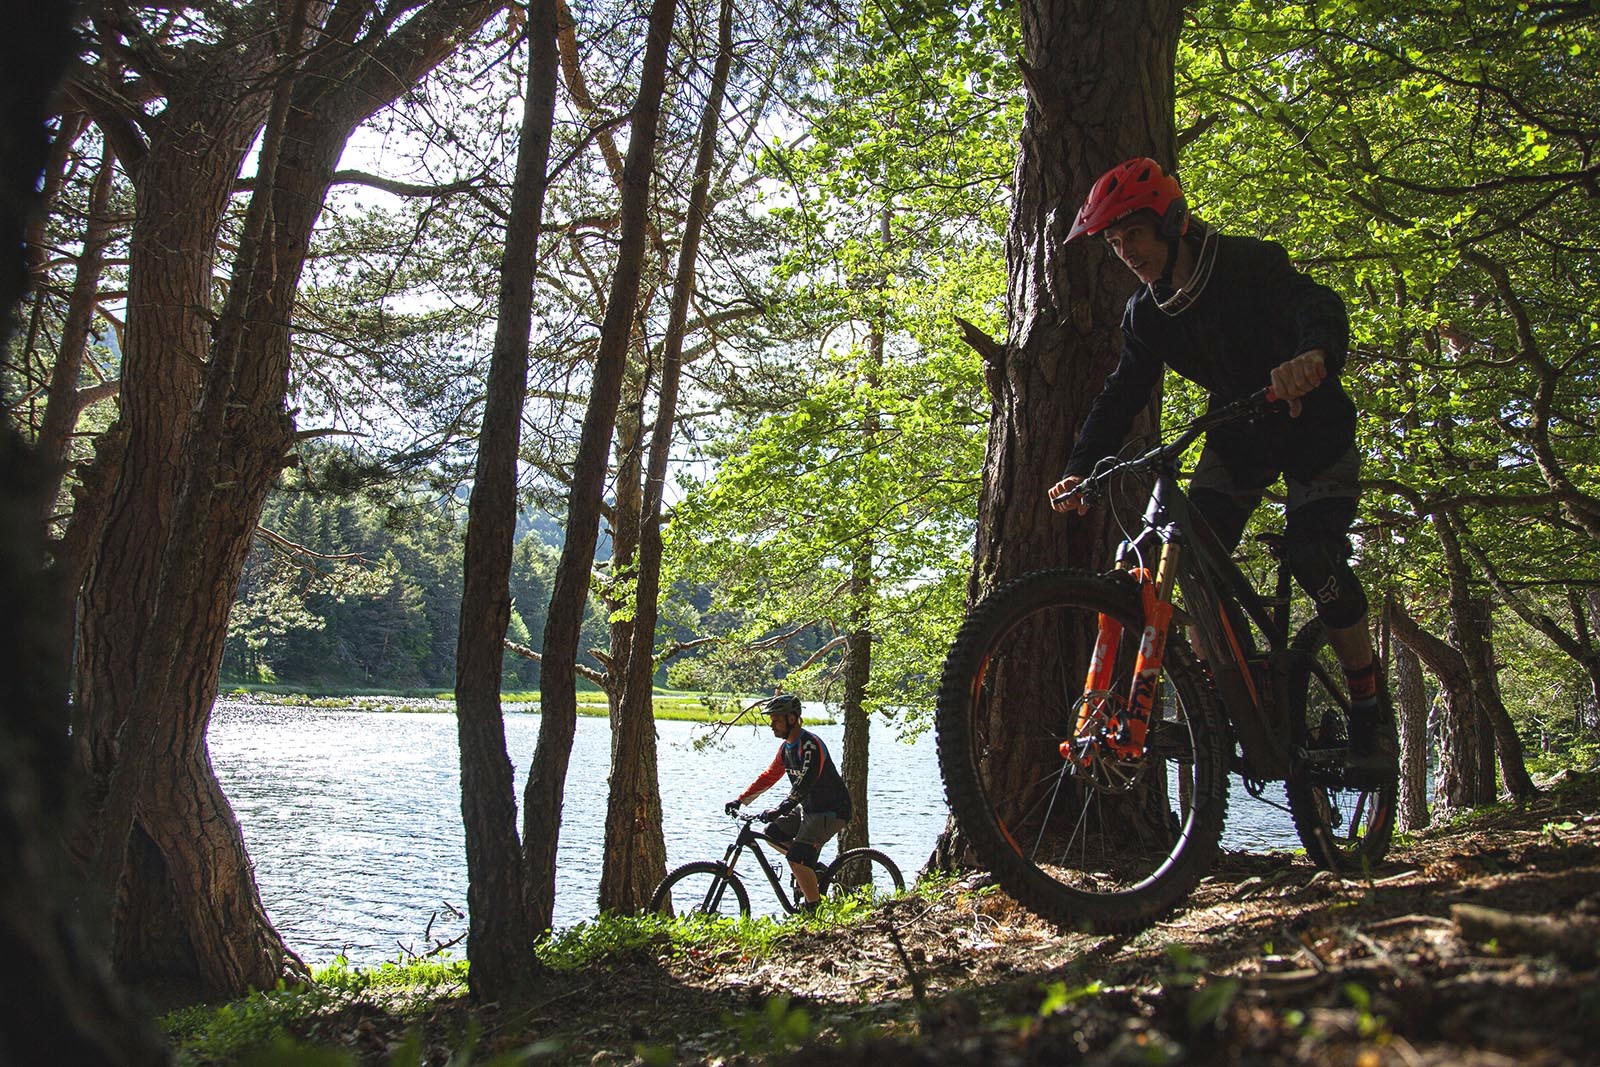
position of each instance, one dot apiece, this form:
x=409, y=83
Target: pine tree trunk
x=182, y=186
x=1471, y=621
x=636, y=851
x=167, y=852
x=64, y=1007
x=1100, y=81
x=501, y=932
x=1411, y=708
x=855, y=760
x=541, y=805
x=1459, y=784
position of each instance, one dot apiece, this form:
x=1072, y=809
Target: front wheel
x=865, y=873
x=1099, y=840
x=1344, y=828
x=705, y=887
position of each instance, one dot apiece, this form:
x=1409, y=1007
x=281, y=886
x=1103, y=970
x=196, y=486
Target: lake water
x=353, y=818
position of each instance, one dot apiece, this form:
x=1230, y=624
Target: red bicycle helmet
x=1137, y=185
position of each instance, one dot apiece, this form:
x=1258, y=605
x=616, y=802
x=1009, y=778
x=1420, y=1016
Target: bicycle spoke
x=1098, y=823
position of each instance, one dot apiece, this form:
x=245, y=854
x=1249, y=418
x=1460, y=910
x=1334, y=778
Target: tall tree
x=1100, y=90
x=635, y=852
x=208, y=429
x=68, y=1009
x=541, y=805
x=501, y=931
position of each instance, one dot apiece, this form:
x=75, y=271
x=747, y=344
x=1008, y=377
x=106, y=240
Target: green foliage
x=1057, y=997
x=258, y=1022
x=776, y=1027
x=352, y=591
x=612, y=937
x=1435, y=176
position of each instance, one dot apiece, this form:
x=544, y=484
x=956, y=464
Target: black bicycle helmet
x=783, y=704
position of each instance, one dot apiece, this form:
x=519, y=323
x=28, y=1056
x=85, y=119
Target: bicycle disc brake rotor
x=1094, y=762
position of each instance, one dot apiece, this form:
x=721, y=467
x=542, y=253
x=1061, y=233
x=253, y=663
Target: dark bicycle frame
x=1220, y=602
x=750, y=838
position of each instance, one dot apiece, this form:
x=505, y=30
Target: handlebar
x=1092, y=488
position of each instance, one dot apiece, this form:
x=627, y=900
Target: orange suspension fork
x=1126, y=733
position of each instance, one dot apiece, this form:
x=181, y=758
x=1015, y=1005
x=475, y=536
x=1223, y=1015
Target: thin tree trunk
x=1411, y=708
x=1479, y=656
x=636, y=854
x=501, y=930
x=1459, y=785
x=541, y=806
x=61, y=409
x=855, y=761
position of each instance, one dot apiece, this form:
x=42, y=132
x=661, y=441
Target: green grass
x=677, y=705
x=260, y=1029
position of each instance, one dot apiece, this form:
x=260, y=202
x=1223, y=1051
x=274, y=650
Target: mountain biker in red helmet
x=1233, y=315
x=815, y=789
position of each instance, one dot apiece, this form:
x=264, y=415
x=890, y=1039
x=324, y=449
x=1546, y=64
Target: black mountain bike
x=1086, y=750
x=712, y=887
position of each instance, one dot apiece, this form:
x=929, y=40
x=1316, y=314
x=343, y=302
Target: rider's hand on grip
x=1065, y=497
x=769, y=815
x=731, y=807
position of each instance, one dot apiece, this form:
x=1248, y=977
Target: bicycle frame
x=1220, y=603
x=750, y=838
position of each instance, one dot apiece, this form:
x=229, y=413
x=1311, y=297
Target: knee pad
x=804, y=853
x=1322, y=567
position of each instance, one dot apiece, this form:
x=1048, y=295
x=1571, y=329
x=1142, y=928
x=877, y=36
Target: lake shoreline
x=671, y=707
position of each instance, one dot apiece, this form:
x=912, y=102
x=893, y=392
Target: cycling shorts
x=804, y=834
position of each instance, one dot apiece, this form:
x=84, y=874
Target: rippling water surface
x=353, y=818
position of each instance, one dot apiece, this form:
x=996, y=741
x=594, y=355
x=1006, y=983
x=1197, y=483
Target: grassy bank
x=676, y=705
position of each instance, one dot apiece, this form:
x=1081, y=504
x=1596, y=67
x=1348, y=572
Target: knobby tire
x=692, y=881
x=1346, y=829
x=1072, y=853
x=857, y=869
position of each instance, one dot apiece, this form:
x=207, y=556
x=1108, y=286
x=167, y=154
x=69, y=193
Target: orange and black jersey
x=814, y=782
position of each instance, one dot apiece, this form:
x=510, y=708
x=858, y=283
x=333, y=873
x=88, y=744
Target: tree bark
x=66, y=1008
x=501, y=930
x=1459, y=784
x=1100, y=90
x=541, y=805
x=62, y=408
x=182, y=185
x=636, y=853
x=856, y=759
x=1472, y=638
x=1411, y=710
x=167, y=856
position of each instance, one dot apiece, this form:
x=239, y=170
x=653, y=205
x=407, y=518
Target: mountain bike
x=713, y=887
x=1086, y=749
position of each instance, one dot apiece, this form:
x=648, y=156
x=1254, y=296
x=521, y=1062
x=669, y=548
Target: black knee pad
x=804, y=853
x=1322, y=567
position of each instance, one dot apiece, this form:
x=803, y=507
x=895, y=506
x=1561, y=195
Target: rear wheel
x=1344, y=827
x=1098, y=840
x=704, y=887
x=865, y=873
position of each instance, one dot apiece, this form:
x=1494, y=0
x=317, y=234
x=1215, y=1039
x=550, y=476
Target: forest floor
x=1474, y=944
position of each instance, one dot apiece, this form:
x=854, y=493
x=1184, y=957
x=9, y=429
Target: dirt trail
x=1272, y=961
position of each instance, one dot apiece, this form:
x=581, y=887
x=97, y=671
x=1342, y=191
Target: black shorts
x=1323, y=506
x=804, y=834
